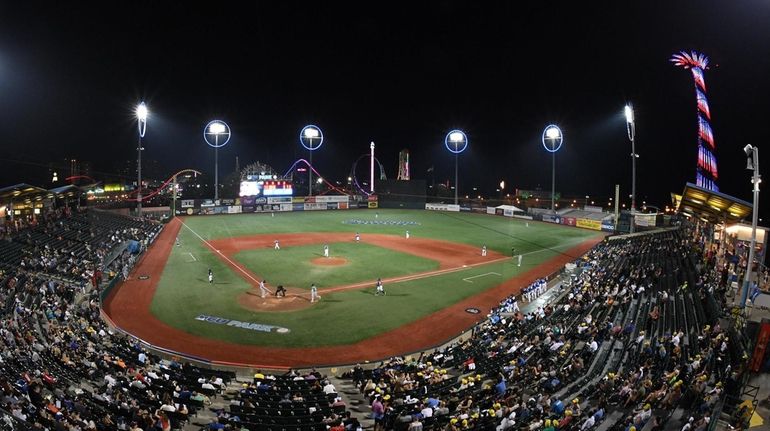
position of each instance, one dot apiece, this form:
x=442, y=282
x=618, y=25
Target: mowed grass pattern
x=293, y=267
x=348, y=316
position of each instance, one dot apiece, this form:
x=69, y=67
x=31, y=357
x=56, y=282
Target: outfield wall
x=262, y=204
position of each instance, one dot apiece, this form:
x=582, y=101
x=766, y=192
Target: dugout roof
x=711, y=205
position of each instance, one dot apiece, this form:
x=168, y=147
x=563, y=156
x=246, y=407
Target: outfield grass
x=348, y=316
x=291, y=266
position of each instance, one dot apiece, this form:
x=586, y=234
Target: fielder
x=211, y=276
x=277, y=246
x=380, y=288
x=407, y=234
x=483, y=250
x=314, y=293
x=520, y=256
x=326, y=250
x=358, y=237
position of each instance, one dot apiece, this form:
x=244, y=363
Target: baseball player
x=277, y=245
x=407, y=234
x=280, y=290
x=358, y=237
x=520, y=256
x=314, y=293
x=326, y=250
x=262, y=289
x=380, y=288
x=177, y=242
x=211, y=276
x=484, y=250
x=515, y=305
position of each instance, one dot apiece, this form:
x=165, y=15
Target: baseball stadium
x=299, y=221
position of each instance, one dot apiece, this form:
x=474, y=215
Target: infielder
x=326, y=250
x=483, y=250
x=520, y=256
x=380, y=288
x=262, y=289
x=211, y=276
x=277, y=246
x=358, y=237
x=314, y=293
x=407, y=234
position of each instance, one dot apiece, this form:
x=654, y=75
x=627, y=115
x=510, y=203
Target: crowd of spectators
x=632, y=338
x=61, y=366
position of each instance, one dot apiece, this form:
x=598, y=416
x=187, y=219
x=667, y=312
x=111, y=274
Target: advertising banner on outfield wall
x=279, y=200
x=298, y=207
x=191, y=211
x=442, y=207
x=248, y=201
x=569, y=221
x=343, y=205
x=314, y=206
x=234, y=209
x=332, y=198
x=362, y=204
x=552, y=218
x=188, y=203
x=588, y=224
x=372, y=204
x=490, y=210
x=298, y=200
x=608, y=226
x=285, y=207
x=247, y=209
x=372, y=198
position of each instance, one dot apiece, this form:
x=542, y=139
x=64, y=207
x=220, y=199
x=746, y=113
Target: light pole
x=552, y=139
x=456, y=141
x=219, y=132
x=752, y=153
x=311, y=137
x=141, y=124
x=631, y=128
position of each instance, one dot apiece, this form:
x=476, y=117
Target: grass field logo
x=260, y=327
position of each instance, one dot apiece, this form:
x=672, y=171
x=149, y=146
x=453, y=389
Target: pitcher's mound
x=329, y=261
x=295, y=299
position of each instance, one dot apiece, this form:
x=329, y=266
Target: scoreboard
x=277, y=188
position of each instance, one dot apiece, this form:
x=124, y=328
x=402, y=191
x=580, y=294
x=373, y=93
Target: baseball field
x=430, y=279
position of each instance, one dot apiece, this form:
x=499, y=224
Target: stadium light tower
x=311, y=137
x=552, y=139
x=456, y=141
x=752, y=153
x=141, y=124
x=631, y=129
x=217, y=135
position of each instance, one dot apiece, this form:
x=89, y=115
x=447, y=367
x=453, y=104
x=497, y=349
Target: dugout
x=401, y=194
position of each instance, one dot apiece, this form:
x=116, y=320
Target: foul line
x=468, y=279
x=235, y=265
x=193, y=257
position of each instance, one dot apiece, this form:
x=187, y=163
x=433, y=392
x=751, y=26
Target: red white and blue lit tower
x=706, y=171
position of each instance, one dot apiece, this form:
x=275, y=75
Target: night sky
x=401, y=74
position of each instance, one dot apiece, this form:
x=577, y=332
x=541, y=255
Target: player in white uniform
x=358, y=237
x=211, y=276
x=407, y=234
x=314, y=293
x=326, y=250
x=380, y=288
x=484, y=250
x=520, y=260
x=277, y=245
x=262, y=289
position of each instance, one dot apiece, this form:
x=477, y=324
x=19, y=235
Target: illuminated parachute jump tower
x=706, y=171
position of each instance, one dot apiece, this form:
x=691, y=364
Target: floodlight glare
x=553, y=133
x=141, y=112
x=311, y=132
x=629, y=114
x=216, y=128
x=456, y=137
